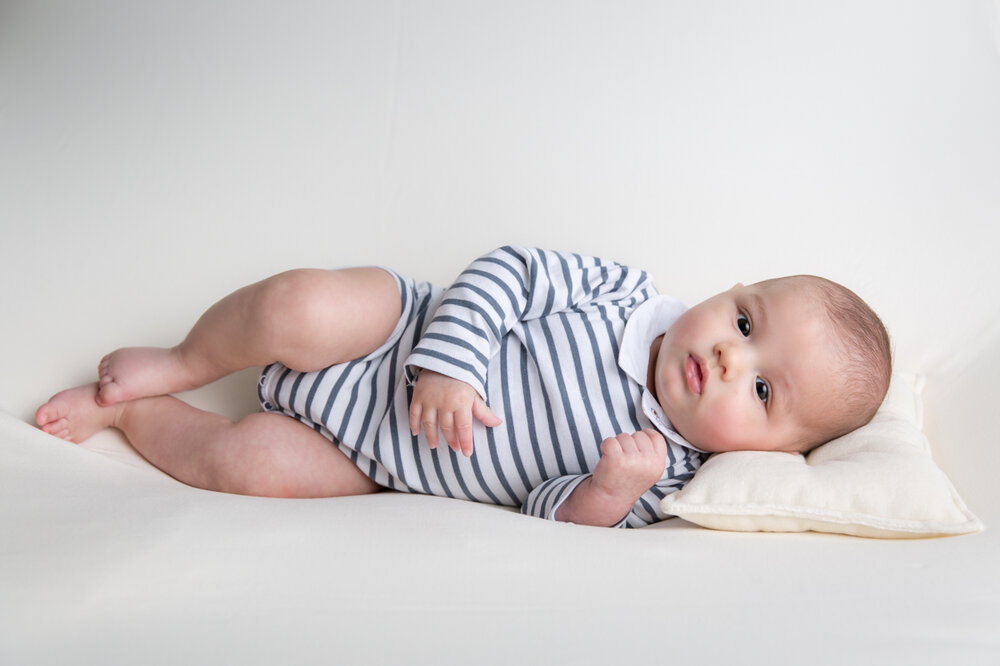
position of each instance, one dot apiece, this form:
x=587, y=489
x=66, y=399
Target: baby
x=560, y=383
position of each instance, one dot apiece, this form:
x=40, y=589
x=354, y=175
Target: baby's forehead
x=804, y=344
x=793, y=300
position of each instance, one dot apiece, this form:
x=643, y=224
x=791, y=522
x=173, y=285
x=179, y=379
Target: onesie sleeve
x=546, y=498
x=509, y=285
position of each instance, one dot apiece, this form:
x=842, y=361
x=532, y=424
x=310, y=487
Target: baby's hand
x=450, y=404
x=630, y=464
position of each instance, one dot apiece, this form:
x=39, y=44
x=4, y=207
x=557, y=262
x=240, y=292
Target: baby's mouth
x=694, y=374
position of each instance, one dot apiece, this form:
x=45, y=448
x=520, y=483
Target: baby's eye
x=743, y=323
x=762, y=390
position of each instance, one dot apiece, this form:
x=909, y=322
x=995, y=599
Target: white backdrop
x=154, y=156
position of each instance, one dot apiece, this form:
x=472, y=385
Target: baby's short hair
x=865, y=354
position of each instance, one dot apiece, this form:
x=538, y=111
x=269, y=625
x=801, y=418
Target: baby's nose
x=731, y=359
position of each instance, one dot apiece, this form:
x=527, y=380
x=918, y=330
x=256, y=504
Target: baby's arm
x=496, y=293
x=629, y=465
x=450, y=404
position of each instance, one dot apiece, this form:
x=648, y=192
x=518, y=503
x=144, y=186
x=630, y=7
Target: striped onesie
x=542, y=337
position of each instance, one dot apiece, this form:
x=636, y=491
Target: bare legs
x=263, y=454
x=306, y=319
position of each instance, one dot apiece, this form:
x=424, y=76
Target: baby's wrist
x=590, y=504
x=613, y=495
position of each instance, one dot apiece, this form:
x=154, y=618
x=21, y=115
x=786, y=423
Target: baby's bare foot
x=138, y=372
x=74, y=415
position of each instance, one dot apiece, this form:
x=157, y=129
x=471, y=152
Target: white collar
x=646, y=323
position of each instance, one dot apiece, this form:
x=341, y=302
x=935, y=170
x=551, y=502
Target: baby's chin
x=696, y=442
x=710, y=442
x=707, y=447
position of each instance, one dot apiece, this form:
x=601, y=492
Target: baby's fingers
x=463, y=433
x=653, y=442
x=415, y=413
x=448, y=429
x=484, y=414
x=429, y=422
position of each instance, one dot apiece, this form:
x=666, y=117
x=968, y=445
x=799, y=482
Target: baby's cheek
x=723, y=429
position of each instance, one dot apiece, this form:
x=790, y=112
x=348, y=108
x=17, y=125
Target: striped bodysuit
x=542, y=337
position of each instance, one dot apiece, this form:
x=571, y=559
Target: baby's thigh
x=335, y=316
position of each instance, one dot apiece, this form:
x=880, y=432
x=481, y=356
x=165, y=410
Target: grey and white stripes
x=537, y=333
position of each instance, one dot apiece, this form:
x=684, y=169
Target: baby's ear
x=738, y=285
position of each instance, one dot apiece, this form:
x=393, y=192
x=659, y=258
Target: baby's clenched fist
x=631, y=463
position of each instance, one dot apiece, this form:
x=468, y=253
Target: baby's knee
x=285, y=303
x=288, y=293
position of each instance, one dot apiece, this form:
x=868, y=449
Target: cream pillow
x=878, y=481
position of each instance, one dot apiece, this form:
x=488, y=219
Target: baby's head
x=780, y=365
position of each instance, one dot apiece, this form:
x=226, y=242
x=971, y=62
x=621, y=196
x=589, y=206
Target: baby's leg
x=306, y=319
x=267, y=455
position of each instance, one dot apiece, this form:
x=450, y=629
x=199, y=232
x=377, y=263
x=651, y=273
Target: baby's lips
x=694, y=373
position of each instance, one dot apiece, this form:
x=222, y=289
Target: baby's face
x=740, y=370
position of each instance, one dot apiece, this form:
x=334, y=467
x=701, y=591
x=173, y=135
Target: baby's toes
x=46, y=414
x=103, y=369
x=109, y=393
x=58, y=427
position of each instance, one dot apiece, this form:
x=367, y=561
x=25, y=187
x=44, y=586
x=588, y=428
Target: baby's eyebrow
x=755, y=304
